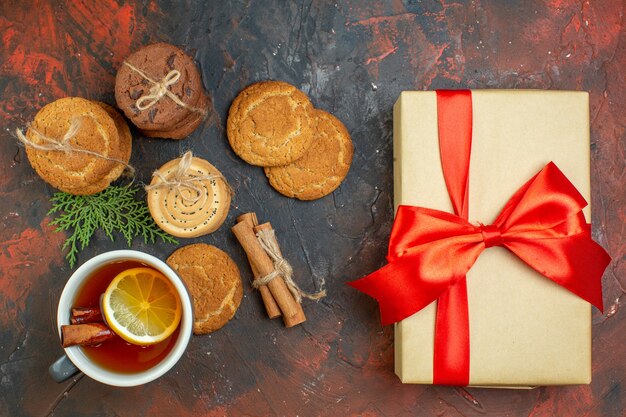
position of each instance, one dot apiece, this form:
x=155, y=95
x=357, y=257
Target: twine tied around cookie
x=180, y=180
x=159, y=90
x=267, y=240
x=63, y=144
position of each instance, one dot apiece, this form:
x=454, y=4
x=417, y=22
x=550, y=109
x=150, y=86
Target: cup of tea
x=116, y=361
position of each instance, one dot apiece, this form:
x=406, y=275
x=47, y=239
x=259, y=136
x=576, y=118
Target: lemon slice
x=142, y=306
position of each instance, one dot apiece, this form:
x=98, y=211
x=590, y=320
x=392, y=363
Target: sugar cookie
x=269, y=124
x=320, y=171
x=214, y=283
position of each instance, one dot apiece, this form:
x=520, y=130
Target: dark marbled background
x=352, y=58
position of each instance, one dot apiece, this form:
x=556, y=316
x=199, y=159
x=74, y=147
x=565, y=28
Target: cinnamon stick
x=250, y=218
x=292, y=310
x=271, y=307
x=85, y=334
x=82, y=315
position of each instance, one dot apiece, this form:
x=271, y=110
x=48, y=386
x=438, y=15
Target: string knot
x=267, y=240
x=63, y=144
x=181, y=181
x=283, y=267
x=160, y=89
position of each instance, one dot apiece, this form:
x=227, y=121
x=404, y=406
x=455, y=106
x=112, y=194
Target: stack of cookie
x=306, y=152
x=159, y=88
x=78, y=146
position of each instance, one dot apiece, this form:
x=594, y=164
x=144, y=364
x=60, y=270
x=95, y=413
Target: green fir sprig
x=114, y=209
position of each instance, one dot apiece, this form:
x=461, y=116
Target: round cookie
x=270, y=124
x=74, y=171
x=156, y=61
x=185, y=211
x=214, y=282
x=320, y=171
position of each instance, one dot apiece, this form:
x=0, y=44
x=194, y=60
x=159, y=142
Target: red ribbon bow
x=430, y=251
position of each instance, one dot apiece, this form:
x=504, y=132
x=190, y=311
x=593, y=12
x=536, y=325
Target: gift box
x=521, y=328
x=525, y=330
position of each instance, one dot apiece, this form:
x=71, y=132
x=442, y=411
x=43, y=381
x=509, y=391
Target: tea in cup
x=123, y=355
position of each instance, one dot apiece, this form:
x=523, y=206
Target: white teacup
x=63, y=369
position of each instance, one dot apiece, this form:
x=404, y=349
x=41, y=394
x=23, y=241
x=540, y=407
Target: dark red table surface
x=352, y=58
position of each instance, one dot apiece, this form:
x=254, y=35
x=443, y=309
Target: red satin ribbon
x=452, y=341
x=430, y=251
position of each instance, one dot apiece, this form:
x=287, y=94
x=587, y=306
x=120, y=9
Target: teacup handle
x=62, y=369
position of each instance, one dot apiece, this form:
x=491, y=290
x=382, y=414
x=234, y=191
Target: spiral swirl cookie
x=320, y=171
x=188, y=197
x=78, y=146
x=270, y=124
x=214, y=282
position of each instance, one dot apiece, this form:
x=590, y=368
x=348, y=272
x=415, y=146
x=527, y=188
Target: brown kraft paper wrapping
x=525, y=330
